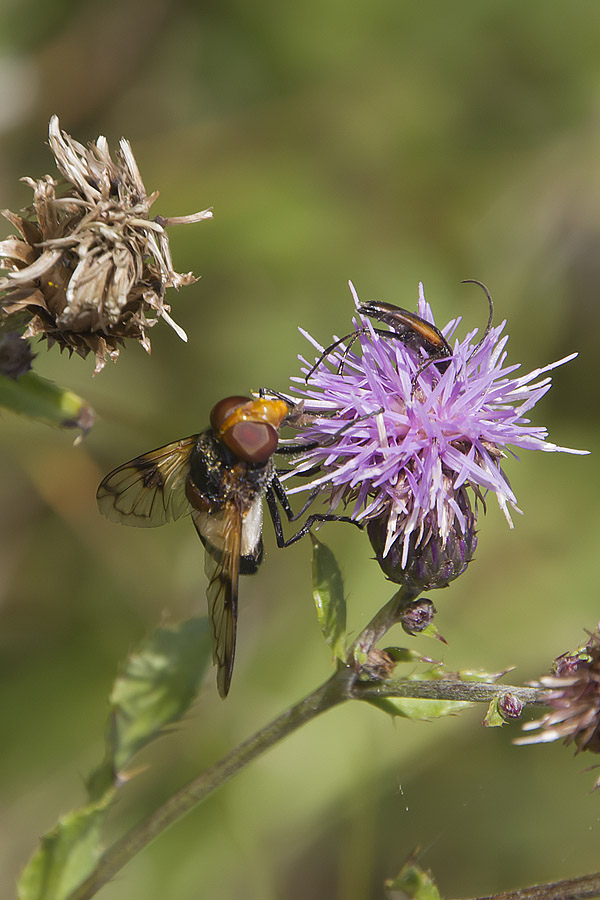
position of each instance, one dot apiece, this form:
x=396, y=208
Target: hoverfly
x=220, y=477
x=416, y=333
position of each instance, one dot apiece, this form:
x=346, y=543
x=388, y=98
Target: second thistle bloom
x=573, y=695
x=402, y=451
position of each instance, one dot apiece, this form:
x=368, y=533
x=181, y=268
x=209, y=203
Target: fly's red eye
x=254, y=442
x=222, y=410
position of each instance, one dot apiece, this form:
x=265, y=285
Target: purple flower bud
x=510, y=707
x=416, y=617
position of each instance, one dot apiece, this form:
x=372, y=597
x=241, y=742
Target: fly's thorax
x=217, y=477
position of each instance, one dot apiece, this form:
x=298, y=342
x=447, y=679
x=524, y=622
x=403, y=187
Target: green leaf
x=404, y=655
x=66, y=856
x=432, y=631
x=413, y=883
x=493, y=717
x=328, y=593
x=418, y=708
x=479, y=675
x=157, y=686
x=40, y=399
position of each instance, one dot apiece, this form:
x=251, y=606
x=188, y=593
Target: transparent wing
x=220, y=533
x=150, y=489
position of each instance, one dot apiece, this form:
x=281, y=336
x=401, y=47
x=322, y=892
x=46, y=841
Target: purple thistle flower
x=404, y=452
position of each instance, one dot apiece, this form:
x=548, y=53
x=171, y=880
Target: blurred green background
x=381, y=141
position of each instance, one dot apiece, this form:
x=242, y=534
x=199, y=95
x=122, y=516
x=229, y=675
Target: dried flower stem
x=583, y=888
x=342, y=686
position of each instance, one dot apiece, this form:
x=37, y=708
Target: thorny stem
x=583, y=888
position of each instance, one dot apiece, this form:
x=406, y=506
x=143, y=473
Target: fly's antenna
x=264, y=393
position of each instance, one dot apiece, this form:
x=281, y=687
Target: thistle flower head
x=89, y=267
x=400, y=443
x=574, y=697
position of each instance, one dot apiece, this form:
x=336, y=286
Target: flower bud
x=510, y=707
x=418, y=616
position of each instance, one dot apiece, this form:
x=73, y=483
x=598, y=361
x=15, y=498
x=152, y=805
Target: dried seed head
x=377, y=666
x=90, y=268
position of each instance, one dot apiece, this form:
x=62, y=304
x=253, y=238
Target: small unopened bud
x=510, y=707
x=418, y=616
x=431, y=561
x=15, y=355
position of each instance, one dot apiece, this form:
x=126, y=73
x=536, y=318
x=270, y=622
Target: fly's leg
x=274, y=493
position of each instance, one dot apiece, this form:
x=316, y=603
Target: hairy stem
x=473, y=691
x=328, y=695
x=343, y=685
x=583, y=888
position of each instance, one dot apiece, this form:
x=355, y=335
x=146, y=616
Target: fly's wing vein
x=222, y=567
x=149, y=490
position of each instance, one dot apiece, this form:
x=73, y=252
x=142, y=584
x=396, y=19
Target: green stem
x=342, y=686
x=382, y=621
x=328, y=695
x=470, y=691
x=583, y=888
